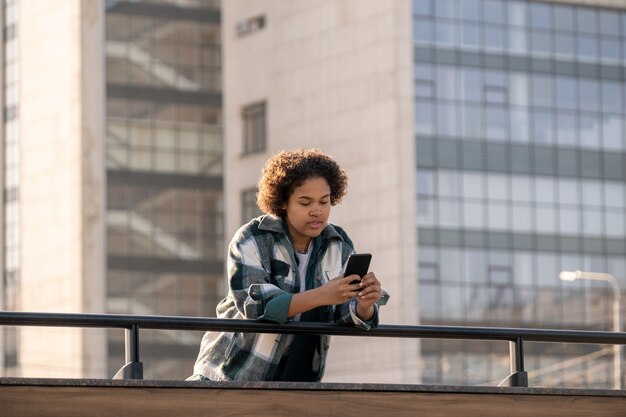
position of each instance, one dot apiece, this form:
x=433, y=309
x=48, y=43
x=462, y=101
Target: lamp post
x=617, y=325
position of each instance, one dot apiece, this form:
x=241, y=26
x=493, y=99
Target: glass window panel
x=446, y=119
x=188, y=163
x=518, y=88
x=497, y=187
x=478, y=303
x=425, y=182
x=518, y=41
x=428, y=254
x=471, y=85
x=614, y=194
x=446, y=82
x=494, y=38
x=451, y=268
x=543, y=127
x=142, y=160
x=522, y=218
x=164, y=161
x=521, y=188
x=542, y=90
x=540, y=16
x=566, y=93
x=448, y=183
x=471, y=121
x=470, y=10
x=498, y=216
x=496, y=81
x=423, y=72
x=473, y=216
x=614, y=226
x=426, y=210
x=430, y=300
x=446, y=8
x=564, y=45
x=569, y=220
x=566, y=129
x=563, y=18
x=592, y=193
x=546, y=219
x=422, y=7
x=612, y=132
x=611, y=97
x=424, y=89
x=475, y=265
x=610, y=50
x=547, y=270
x=568, y=191
x=470, y=35
x=523, y=268
x=589, y=92
x=589, y=130
x=517, y=13
x=445, y=33
x=422, y=30
x=428, y=272
x=519, y=125
x=473, y=185
x=494, y=11
x=423, y=117
x=609, y=23
x=616, y=266
x=545, y=190
x=500, y=258
x=592, y=221
x=541, y=43
x=586, y=19
x=495, y=120
x=449, y=213
x=452, y=309
x=587, y=47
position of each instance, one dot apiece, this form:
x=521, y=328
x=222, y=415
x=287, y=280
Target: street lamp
x=617, y=326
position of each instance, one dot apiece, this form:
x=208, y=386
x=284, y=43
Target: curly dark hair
x=289, y=169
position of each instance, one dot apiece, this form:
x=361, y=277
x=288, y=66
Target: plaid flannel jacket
x=261, y=266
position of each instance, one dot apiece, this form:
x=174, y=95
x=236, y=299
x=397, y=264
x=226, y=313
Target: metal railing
x=133, y=369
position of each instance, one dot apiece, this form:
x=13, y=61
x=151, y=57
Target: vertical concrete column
x=62, y=182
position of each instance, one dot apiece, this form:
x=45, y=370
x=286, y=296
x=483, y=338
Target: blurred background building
x=484, y=141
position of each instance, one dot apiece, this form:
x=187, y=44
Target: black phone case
x=358, y=264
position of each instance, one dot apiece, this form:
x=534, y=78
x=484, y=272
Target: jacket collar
x=272, y=223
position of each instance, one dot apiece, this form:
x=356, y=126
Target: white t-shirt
x=303, y=259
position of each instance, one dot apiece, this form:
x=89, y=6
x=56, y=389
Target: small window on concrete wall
x=249, y=209
x=254, y=118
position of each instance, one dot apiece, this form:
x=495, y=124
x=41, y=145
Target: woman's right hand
x=339, y=290
x=334, y=292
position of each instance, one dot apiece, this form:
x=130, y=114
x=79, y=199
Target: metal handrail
x=132, y=323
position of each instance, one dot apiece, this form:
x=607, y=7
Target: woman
x=287, y=265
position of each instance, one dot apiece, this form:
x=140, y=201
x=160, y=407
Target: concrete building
x=484, y=141
x=113, y=176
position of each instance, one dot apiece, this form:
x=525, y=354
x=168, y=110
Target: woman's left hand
x=368, y=296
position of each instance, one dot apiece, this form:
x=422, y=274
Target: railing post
x=133, y=368
x=518, y=377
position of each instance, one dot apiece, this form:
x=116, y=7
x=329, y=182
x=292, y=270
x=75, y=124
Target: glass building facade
x=519, y=118
x=164, y=172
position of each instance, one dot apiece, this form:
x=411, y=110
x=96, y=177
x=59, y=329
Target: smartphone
x=358, y=264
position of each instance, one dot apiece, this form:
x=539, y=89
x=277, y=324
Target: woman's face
x=307, y=210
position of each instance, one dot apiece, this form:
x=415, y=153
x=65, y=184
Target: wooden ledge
x=103, y=397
